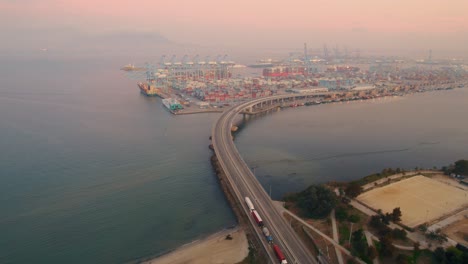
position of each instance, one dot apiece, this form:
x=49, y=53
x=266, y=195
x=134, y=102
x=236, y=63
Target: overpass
x=244, y=183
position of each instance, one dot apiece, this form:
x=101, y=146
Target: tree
x=399, y=234
x=396, y=215
x=454, y=255
x=359, y=243
x=439, y=255
x=461, y=167
x=375, y=221
x=386, y=246
x=372, y=252
x=316, y=201
x=386, y=218
x=437, y=236
x=416, y=247
x=353, y=190
x=341, y=213
x=354, y=218
x=402, y=259
x=423, y=227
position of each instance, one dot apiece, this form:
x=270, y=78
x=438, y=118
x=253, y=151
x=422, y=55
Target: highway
x=244, y=184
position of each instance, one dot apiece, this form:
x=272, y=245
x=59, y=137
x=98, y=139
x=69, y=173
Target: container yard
x=209, y=85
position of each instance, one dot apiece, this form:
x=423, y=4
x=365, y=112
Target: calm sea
x=93, y=172
x=294, y=148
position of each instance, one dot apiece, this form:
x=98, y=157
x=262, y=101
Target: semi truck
x=267, y=234
x=249, y=203
x=257, y=218
x=279, y=255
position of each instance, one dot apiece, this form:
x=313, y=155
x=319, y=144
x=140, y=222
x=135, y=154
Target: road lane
x=244, y=184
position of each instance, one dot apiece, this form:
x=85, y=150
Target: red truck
x=279, y=255
x=257, y=218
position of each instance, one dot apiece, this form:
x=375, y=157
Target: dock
x=198, y=111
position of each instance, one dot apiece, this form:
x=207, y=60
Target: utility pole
x=350, y=233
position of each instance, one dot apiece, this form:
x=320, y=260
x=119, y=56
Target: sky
x=377, y=25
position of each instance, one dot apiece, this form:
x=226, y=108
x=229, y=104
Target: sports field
x=420, y=199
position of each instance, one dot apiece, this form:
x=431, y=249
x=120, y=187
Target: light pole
x=350, y=233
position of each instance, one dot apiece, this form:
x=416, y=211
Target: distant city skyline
x=375, y=25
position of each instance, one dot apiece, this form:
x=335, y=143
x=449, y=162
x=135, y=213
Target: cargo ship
x=149, y=90
x=264, y=63
x=172, y=105
x=131, y=67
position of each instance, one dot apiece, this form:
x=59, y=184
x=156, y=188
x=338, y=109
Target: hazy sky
x=365, y=24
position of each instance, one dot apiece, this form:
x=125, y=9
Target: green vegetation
x=396, y=215
x=460, y=168
x=399, y=234
x=451, y=255
x=377, y=176
x=404, y=259
x=354, y=218
x=386, y=246
x=353, y=189
x=359, y=246
x=316, y=201
x=341, y=214
x=344, y=234
x=436, y=236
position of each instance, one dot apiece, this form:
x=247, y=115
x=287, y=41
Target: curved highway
x=244, y=184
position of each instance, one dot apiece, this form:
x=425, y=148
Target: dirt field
x=212, y=250
x=458, y=231
x=420, y=199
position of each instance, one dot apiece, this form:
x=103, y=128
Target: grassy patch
x=343, y=230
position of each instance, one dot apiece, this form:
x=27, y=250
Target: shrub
x=341, y=214
x=354, y=218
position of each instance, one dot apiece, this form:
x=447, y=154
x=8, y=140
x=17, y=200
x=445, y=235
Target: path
x=371, y=243
x=335, y=237
x=279, y=206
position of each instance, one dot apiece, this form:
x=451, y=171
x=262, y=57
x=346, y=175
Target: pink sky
x=210, y=21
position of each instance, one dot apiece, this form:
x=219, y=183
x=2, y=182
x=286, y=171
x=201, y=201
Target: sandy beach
x=215, y=249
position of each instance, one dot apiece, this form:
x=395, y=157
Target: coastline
x=214, y=248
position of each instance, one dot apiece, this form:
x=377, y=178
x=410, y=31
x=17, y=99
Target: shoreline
x=214, y=248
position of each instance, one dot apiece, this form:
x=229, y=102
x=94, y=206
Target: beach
x=215, y=249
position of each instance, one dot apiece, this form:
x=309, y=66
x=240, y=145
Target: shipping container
x=279, y=255
x=249, y=203
x=257, y=218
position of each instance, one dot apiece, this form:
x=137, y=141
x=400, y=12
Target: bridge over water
x=243, y=182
